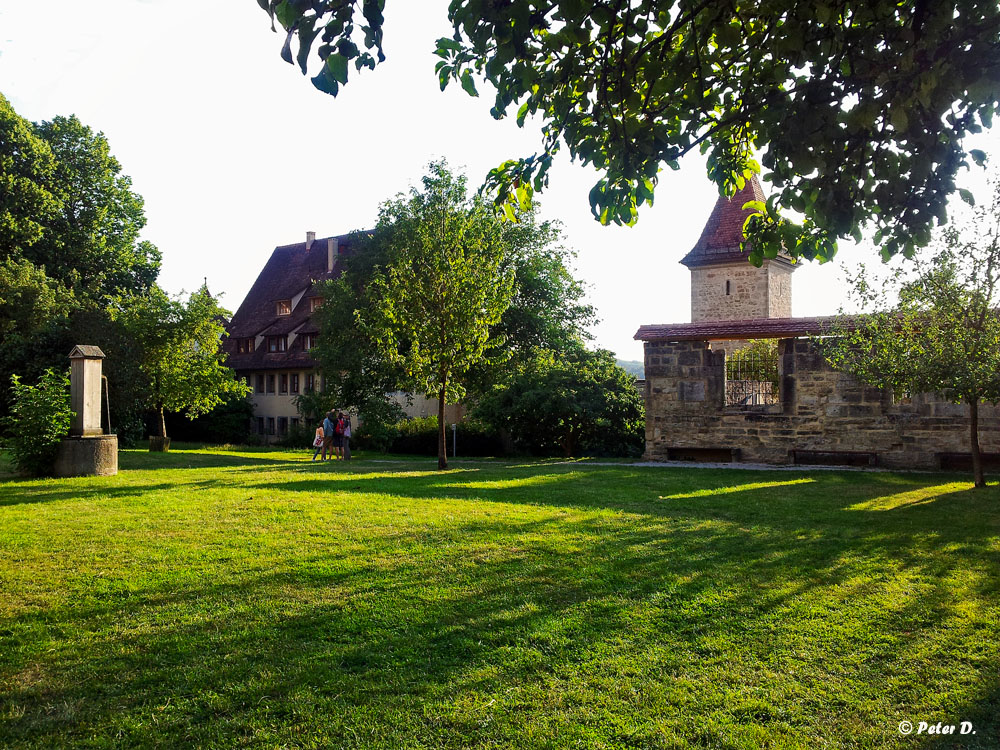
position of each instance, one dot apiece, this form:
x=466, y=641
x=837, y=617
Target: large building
x=273, y=331
x=784, y=403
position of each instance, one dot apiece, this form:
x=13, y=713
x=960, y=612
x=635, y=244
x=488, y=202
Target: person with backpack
x=338, y=434
x=328, y=434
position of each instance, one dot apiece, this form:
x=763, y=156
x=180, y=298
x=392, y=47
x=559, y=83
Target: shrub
x=573, y=403
x=419, y=436
x=229, y=422
x=39, y=418
x=374, y=435
x=298, y=436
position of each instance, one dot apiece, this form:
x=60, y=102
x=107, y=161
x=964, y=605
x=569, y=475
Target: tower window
x=727, y=287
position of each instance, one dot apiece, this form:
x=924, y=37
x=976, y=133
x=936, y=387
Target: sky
x=235, y=152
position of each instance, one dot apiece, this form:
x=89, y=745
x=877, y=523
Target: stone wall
x=819, y=409
x=764, y=292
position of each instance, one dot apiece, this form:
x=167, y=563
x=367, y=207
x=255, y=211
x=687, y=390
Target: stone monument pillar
x=87, y=451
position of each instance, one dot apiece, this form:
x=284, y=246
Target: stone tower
x=724, y=285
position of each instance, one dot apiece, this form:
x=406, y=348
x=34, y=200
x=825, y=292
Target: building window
x=310, y=382
x=270, y=425
x=244, y=345
x=315, y=303
x=270, y=383
x=311, y=339
x=284, y=307
x=283, y=383
x=260, y=425
x=282, y=425
x=294, y=386
x=260, y=383
x=295, y=422
x=277, y=343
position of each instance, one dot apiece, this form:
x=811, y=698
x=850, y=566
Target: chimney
x=310, y=238
x=332, y=250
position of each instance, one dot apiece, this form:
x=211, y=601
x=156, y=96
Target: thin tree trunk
x=442, y=442
x=567, y=444
x=163, y=423
x=977, y=458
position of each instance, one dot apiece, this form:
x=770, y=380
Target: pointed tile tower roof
x=721, y=237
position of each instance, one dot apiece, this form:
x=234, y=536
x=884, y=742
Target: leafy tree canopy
x=943, y=334
x=69, y=252
x=546, y=311
x=858, y=109
x=443, y=290
x=93, y=241
x=181, y=352
x=26, y=171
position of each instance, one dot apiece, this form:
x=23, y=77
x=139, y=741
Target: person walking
x=347, y=437
x=318, y=441
x=328, y=430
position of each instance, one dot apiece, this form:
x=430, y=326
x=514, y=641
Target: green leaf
x=287, y=14
x=967, y=196
x=337, y=66
x=468, y=84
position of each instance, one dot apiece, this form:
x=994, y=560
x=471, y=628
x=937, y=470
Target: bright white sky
x=235, y=152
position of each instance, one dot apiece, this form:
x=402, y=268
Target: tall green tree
x=859, y=107
x=69, y=247
x=442, y=291
x=181, y=352
x=547, y=311
x=943, y=334
x=92, y=243
x=27, y=166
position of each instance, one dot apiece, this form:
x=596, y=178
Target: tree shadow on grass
x=30, y=493
x=152, y=461
x=728, y=619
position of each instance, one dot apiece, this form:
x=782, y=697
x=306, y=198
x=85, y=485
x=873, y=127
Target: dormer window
x=315, y=303
x=309, y=341
x=277, y=343
x=284, y=307
x=245, y=345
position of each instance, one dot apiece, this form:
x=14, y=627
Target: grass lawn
x=254, y=599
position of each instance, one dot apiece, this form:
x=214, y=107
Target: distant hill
x=632, y=367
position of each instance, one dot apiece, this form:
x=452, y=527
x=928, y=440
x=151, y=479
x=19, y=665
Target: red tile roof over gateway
x=724, y=330
x=723, y=232
x=290, y=271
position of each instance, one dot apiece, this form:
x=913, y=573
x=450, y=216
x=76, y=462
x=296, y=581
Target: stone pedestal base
x=95, y=455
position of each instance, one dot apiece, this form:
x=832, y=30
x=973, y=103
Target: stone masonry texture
x=819, y=409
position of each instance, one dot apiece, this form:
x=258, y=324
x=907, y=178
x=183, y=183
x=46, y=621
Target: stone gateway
x=801, y=410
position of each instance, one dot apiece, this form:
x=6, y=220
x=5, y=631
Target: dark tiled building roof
x=292, y=270
x=720, y=239
x=725, y=330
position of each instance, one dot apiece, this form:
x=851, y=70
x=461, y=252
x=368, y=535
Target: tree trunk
x=568, y=444
x=977, y=458
x=442, y=441
x=160, y=443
